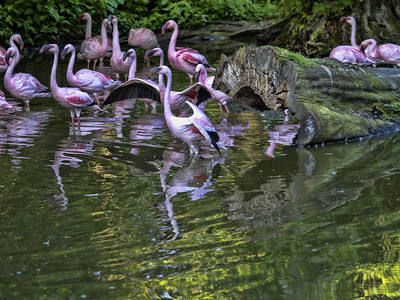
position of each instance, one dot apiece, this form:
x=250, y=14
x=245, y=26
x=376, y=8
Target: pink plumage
x=192, y=130
x=3, y=103
x=22, y=85
x=143, y=38
x=386, y=53
x=3, y=64
x=183, y=59
x=71, y=98
x=85, y=79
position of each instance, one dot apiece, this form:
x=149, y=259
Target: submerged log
x=332, y=101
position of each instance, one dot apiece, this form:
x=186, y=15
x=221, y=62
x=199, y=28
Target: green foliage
x=45, y=21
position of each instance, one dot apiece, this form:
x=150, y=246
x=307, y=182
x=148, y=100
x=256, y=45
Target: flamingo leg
x=227, y=110
x=94, y=65
x=88, y=63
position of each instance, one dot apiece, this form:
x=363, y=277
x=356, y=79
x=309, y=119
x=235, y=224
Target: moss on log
x=332, y=101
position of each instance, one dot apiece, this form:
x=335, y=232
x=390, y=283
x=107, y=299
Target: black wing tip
x=214, y=139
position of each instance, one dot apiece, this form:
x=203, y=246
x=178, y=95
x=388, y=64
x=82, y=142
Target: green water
x=117, y=211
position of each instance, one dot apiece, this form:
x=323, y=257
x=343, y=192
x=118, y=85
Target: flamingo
x=93, y=48
x=143, y=38
x=72, y=98
x=191, y=130
x=3, y=103
x=22, y=85
x=385, y=53
x=15, y=38
x=118, y=64
x=140, y=88
x=183, y=59
x=85, y=79
x=88, y=33
x=207, y=81
x=351, y=54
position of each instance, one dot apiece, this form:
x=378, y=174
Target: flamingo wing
x=194, y=58
x=135, y=88
x=204, y=125
x=77, y=98
x=198, y=91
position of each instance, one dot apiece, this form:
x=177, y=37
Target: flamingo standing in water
x=88, y=33
x=85, y=79
x=143, y=38
x=351, y=54
x=183, y=59
x=118, y=64
x=385, y=53
x=153, y=92
x=191, y=130
x=72, y=98
x=3, y=103
x=22, y=85
x=93, y=48
x=207, y=81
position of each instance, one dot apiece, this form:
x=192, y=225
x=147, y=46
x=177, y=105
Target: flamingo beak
x=21, y=43
x=126, y=54
x=64, y=52
x=343, y=19
x=148, y=55
x=45, y=48
x=7, y=57
x=153, y=71
x=197, y=76
x=164, y=28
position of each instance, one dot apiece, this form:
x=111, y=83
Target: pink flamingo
x=140, y=88
x=351, y=54
x=3, y=103
x=22, y=85
x=118, y=64
x=3, y=64
x=15, y=38
x=207, y=81
x=88, y=33
x=143, y=38
x=72, y=98
x=191, y=130
x=93, y=48
x=385, y=53
x=85, y=79
x=183, y=59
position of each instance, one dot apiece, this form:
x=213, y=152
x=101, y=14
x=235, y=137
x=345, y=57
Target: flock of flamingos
x=183, y=110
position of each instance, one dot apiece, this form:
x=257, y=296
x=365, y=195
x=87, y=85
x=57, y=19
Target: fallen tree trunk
x=332, y=101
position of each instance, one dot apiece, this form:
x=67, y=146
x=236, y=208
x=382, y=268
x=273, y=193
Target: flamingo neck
x=167, y=106
x=11, y=66
x=53, y=81
x=203, y=76
x=88, y=32
x=372, y=49
x=353, y=34
x=132, y=69
x=172, y=42
x=70, y=69
x=104, y=41
x=161, y=83
x=115, y=41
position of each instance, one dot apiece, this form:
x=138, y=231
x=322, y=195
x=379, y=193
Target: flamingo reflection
x=193, y=177
x=283, y=134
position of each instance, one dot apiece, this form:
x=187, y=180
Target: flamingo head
x=84, y=16
x=18, y=39
x=159, y=70
x=153, y=52
x=107, y=24
x=349, y=20
x=67, y=49
x=9, y=55
x=200, y=69
x=49, y=48
x=113, y=19
x=129, y=53
x=167, y=25
x=364, y=45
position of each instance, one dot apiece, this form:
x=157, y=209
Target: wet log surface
x=331, y=100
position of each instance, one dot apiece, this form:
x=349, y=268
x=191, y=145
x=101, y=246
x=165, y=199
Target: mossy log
x=332, y=101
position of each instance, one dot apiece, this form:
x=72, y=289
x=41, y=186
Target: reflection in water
x=193, y=177
x=19, y=130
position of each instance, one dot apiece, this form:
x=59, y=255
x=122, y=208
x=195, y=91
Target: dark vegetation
x=310, y=27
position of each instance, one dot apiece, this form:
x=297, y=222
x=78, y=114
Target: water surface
x=117, y=210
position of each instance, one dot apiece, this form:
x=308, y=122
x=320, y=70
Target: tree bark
x=332, y=101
